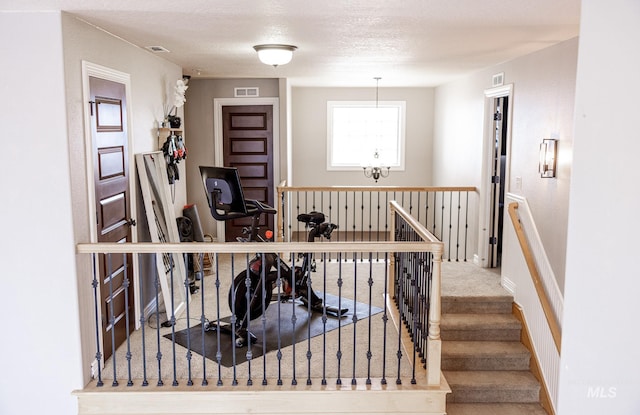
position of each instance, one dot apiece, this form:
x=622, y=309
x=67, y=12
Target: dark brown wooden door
x=111, y=175
x=248, y=146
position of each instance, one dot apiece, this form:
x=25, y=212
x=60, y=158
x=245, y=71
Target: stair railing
x=361, y=214
x=545, y=302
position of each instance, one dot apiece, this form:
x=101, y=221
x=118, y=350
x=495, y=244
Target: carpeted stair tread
x=492, y=327
x=477, y=304
x=495, y=409
x=484, y=355
x=492, y=386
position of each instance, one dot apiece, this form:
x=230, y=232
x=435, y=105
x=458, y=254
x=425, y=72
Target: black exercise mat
x=303, y=328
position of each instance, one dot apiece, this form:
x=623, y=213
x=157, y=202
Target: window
x=356, y=130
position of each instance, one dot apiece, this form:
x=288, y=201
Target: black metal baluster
x=369, y=318
x=145, y=382
x=426, y=211
x=263, y=318
x=355, y=316
x=370, y=215
x=203, y=318
x=234, y=319
x=296, y=215
x=309, y=315
x=247, y=297
x=458, y=230
x=466, y=226
x=435, y=205
x=218, y=351
x=173, y=321
x=112, y=321
x=287, y=219
x=126, y=284
x=386, y=217
x=279, y=353
x=324, y=321
x=339, y=352
x=353, y=226
x=294, y=318
x=410, y=203
x=415, y=321
x=361, y=215
x=419, y=194
x=346, y=216
x=450, y=227
x=400, y=301
x=442, y=218
x=306, y=201
x=187, y=293
x=385, y=320
x=159, y=352
x=94, y=285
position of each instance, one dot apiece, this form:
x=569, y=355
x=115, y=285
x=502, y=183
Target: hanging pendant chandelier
x=374, y=169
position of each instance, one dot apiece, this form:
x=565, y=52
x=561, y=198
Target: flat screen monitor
x=224, y=191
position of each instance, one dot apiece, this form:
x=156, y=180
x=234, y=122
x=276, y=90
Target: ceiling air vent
x=157, y=49
x=247, y=92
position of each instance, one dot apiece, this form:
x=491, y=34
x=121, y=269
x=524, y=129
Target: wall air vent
x=246, y=92
x=157, y=49
x=497, y=79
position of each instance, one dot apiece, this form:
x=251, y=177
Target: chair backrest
x=224, y=192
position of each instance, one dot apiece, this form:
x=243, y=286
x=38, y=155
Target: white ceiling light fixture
x=274, y=54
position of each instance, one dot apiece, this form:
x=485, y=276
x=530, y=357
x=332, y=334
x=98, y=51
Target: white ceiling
x=340, y=42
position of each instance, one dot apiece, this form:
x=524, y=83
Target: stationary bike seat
x=312, y=217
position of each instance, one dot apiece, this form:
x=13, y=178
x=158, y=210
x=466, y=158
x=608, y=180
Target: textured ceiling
x=340, y=42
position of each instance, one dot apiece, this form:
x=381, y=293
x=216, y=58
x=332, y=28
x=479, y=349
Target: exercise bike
x=253, y=289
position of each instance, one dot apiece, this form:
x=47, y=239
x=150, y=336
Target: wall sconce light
x=548, y=161
x=374, y=170
x=274, y=54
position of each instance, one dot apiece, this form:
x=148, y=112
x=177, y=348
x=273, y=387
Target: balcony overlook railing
x=361, y=212
x=184, y=345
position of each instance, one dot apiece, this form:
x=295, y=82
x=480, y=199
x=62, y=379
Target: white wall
x=542, y=105
x=600, y=363
x=152, y=83
x=41, y=340
x=44, y=203
x=309, y=136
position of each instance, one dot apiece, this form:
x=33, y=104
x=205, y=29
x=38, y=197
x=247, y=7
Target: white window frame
x=398, y=164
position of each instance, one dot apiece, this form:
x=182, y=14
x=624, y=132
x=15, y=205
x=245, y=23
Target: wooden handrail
x=284, y=187
x=535, y=276
x=252, y=247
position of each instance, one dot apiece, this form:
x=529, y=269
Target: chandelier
x=374, y=169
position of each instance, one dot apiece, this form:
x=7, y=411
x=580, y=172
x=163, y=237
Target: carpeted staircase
x=483, y=359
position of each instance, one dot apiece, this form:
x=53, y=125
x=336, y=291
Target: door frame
x=484, y=211
x=90, y=69
x=218, y=158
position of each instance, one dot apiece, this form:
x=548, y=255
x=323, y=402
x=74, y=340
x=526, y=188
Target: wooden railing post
x=434, y=346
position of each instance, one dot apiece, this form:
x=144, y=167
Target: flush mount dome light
x=274, y=54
